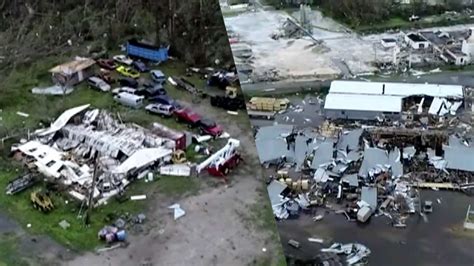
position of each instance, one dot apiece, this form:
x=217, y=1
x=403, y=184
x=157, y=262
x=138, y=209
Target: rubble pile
x=362, y=172
x=67, y=152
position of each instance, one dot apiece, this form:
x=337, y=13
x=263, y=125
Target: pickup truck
x=209, y=127
x=187, y=116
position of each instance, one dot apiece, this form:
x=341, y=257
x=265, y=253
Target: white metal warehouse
x=360, y=100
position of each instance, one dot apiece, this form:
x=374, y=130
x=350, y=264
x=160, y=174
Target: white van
x=129, y=99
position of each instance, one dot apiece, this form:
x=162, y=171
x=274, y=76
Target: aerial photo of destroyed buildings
x=362, y=117
x=124, y=140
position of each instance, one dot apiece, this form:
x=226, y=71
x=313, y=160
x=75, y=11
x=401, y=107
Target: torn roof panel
x=459, y=158
x=274, y=189
x=273, y=149
x=271, y=143
x=350, y=140
x=62, y=120
x=375, y=158
x=275, y=131
x=352, y=180
x=323, y=154
x=369, y=195
x=455, y=141
x=304, y=145
x=395, y=161
x=142, y=158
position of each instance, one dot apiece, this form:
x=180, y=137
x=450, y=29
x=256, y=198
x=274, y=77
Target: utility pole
x=91, y=192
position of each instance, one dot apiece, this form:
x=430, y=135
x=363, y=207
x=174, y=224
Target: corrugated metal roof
x=459, y=158
x=73, y=66
x=363, y=102
x=323, y=154
x=395, y=89
x=369, y=195
x=271, y=143
x=378, y=159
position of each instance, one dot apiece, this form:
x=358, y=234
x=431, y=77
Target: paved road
x=286, y=86
x=465, y=78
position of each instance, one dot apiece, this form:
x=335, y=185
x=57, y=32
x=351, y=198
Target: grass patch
x=177, y=185
x=77, y=236
x=261, y=215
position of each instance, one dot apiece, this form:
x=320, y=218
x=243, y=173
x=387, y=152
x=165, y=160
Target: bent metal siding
x=359, y=115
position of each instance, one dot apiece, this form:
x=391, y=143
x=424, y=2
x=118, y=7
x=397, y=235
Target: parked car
x=98, y=83
x=107, y=64
x=158, y=76
x=188, y=116
x=128, y=72
x=106, y=76
x=129, y=99
x=209, y=127
x=123, y=59
x=164, y=99
x=152, y=90
x=140, y=66
x=126, y=89
x=428, y=206
x=128, y=82
x=160, y=109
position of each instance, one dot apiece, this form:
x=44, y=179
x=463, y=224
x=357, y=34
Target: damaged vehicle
x=209, y=127
x=21, y=183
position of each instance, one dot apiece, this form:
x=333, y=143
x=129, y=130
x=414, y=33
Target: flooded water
x=440, y=241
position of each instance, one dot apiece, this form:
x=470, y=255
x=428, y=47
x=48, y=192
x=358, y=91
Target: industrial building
x=359, y=100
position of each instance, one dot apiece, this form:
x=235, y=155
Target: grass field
x=79, y=237
x=16, y=87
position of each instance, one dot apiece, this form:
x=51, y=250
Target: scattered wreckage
x=83, y=139
x=21, y=183
x=354, y=253
x=366, y=171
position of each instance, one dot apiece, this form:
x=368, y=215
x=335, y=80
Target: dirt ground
x=216, y=229
x=343, y=52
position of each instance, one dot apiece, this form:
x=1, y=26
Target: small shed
x=389, y=42
x=73, y=72
x=416, y=41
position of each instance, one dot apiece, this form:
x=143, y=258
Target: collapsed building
x=358, y=100
x=67, y=152
x=366, y=170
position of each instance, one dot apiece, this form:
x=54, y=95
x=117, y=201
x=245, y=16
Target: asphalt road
x=465, y=78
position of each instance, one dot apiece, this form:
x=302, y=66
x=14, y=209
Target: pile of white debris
x=67, y=152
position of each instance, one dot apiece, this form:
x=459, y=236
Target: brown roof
x=73, y=66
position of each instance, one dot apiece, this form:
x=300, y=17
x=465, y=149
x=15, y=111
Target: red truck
x=187, y=116
x=209, y=127
x=107, y=64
